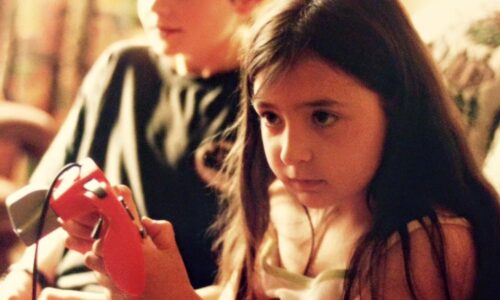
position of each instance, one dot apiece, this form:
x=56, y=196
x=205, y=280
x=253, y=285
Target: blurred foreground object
x=25, y=134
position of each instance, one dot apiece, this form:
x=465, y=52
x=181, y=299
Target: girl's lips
x=305, y=185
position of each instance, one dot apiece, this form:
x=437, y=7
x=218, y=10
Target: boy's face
x=323, y=133
x=189, y=27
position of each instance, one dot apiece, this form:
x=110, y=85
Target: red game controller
x=84, y=189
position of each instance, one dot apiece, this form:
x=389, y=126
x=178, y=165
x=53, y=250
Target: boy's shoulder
x=134, y=54
x=130, y=50
x=121, y=57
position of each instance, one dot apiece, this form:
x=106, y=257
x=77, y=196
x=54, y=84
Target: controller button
x=96, y=232
x=96, y=187
x=122, y=201
x=124, y=204
x=129, y=213
x=142, y=232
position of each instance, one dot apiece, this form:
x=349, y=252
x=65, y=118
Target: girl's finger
x=94, y=262
x=77, y=230
x=87, y=220
x=160, y=232
x=124, y=192
x=97, y=248
x=80, y=245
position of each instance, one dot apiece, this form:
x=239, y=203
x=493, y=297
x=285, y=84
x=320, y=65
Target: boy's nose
x=295, y=148
x=161, y=6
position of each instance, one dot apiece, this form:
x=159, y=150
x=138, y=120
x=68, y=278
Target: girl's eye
x=269, y=119
x=323, y=118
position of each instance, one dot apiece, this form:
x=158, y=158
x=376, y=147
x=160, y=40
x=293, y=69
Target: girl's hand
x=166, y=276
x=80, y=232
x=80, y=229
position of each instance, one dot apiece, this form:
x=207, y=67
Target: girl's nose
x=295, y=148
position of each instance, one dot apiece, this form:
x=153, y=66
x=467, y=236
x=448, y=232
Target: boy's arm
x=211, y=292
x=59, y=294
x=17, y=282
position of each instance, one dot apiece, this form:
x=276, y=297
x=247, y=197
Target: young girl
x=350, y=178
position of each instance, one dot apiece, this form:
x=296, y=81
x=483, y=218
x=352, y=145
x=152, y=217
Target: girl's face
x=323, y=133
x=189, y=27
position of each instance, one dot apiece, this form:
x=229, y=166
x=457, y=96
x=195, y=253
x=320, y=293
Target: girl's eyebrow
x=260, y=102
x=323, y=103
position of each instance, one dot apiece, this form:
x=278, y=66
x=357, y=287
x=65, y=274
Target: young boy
x=142, y=113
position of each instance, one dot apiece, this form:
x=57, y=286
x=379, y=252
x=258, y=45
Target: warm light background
x=46, y=46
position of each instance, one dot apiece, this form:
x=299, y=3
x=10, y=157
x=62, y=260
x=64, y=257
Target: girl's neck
x=308, y=247
x=350, y=214
x=337, y=236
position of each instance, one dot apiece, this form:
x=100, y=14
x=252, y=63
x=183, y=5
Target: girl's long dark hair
x=426, y=163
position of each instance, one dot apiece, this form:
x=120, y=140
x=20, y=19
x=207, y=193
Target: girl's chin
x=313, y=200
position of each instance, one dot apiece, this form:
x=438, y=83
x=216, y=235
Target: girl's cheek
x=272, y=152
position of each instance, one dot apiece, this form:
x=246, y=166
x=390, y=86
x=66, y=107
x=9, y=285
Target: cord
x=41, y=224
x=311, y=250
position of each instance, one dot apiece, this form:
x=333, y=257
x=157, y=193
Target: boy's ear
x=245, y=7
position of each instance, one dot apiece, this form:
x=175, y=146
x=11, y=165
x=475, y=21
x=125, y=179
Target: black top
x=132, y=108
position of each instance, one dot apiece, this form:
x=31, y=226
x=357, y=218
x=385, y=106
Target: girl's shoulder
x=449, y=223
x=458, y=261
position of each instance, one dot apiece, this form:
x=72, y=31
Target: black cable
x=41, y=224
x=311, y=250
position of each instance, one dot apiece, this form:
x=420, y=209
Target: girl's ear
x=245, y=7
